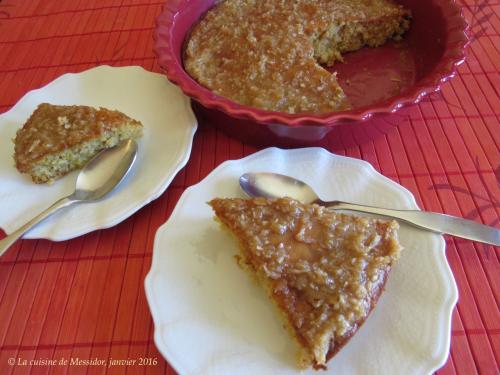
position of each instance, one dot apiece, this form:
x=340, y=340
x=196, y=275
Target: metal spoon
x=273, y=185
x=97, y=178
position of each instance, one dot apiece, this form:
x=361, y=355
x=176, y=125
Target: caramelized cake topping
x=265, y=53
x=324, y=270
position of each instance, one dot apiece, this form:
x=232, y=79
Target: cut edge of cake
x=54, y=166
x=344, y=37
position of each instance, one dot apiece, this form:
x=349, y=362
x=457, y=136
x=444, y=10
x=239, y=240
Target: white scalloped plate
x=169, y=127
x=211, y=318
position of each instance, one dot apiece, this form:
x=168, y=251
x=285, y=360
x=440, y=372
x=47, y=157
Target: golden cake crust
x=265, y=53
x=53, y=130
x=324, y=271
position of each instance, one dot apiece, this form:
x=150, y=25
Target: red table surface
x=84, y=298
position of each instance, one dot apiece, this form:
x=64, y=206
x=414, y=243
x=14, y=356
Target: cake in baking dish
x=324, y=271
x=269, y=54
x=57, y=139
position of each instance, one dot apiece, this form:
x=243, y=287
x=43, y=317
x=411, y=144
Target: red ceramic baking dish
x=377, y=81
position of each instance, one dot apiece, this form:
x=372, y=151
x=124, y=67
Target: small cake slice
x=325, y=271
x=58, y=139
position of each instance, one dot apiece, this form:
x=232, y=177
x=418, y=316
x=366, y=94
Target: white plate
x=169, y=127
x=211, y=318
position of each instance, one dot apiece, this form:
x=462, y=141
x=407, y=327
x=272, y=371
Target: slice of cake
x=57, y=139
x=324, y=271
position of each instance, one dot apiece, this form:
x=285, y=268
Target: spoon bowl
x=274, y=185
x=97, y=179
x=105, y=171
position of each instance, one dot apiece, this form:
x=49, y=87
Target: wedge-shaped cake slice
x=325, y=271
x=57, y=139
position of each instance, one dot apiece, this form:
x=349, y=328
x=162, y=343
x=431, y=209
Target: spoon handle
x=11, y=238
x=434, y=222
